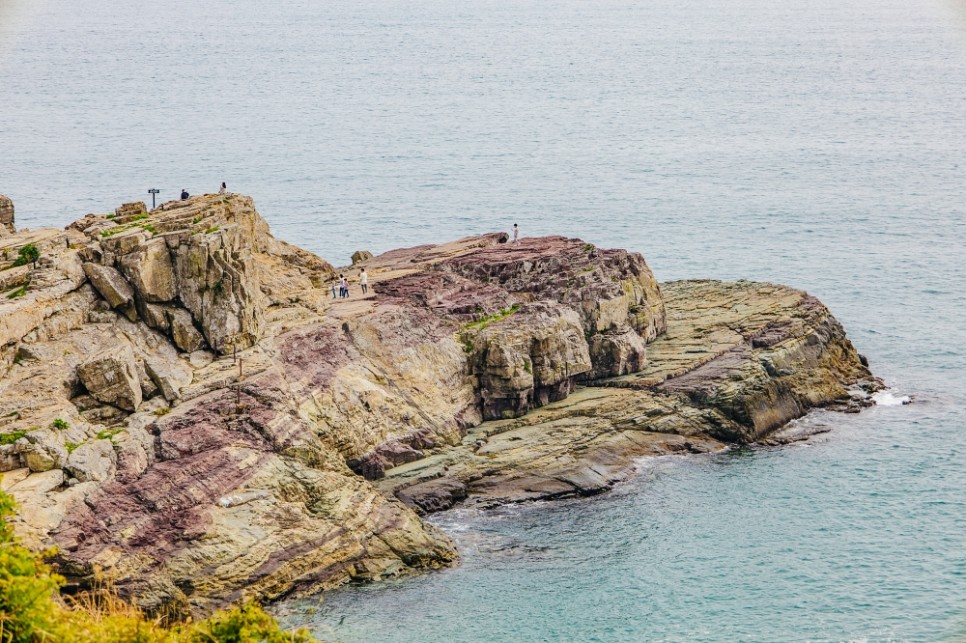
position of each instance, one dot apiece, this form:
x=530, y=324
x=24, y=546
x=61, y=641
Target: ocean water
x=815, y=143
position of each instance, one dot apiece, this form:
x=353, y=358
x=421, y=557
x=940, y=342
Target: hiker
x=223, y=189
x=184, y=194
x=364, y=281
x=516, y=232
x=334, y=282
x=343, y=287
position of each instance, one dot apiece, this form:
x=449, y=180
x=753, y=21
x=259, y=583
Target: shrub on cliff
x=27, y=254
x=31, y=610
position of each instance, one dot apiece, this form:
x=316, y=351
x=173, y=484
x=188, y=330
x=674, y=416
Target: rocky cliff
x=186, y=404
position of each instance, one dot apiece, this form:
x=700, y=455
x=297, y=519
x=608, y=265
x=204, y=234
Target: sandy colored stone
x=112, y=377
x=112, y=287
x=183, y=332
x=93, y=461
x=6, y=215
x=149, y=270
x=360, y=256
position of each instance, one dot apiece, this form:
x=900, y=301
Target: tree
x=27, y=254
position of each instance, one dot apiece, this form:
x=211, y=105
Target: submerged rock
x=236, y=431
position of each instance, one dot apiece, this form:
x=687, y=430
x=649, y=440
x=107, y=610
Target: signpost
x=153, y=192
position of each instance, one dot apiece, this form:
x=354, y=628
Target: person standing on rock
x=516, y=233
x=223, y=189
x=364, y=281
x=343, y=287
x=184, y=194
x=334, y=284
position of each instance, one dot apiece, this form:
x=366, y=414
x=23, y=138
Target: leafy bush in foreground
x=31, y=610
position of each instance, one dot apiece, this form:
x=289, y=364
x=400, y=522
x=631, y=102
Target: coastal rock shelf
x=185, y=404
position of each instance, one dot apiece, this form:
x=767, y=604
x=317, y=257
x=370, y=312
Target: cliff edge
x=185, y=403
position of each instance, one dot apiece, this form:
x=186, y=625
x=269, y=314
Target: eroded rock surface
x=184, y=403
x=6, y=216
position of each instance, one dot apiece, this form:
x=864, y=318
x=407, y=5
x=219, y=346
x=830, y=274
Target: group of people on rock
x=222, y=190
x=341, y=285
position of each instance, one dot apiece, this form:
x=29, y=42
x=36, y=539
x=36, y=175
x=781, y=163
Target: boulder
x=360, y=256
x=183, y=331
x=170, y=376
x=6, y=215
x=112, y=286
x=44, y=456
x=149, y=270
x=129, y=211
x=94, y=461
x=112, y=377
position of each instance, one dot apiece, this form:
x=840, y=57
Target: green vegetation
x=72, y=446
x=27, y=254
x=108, y=434
x=164, y=410
x=60, y=424
x=150, y=228
x=211, y=229
x=110, y=232
x=32, y=611
x=19, y=292
x=139, y=217
x=10, y=438
x=196, y=220
x=503, y=313
x=588, y=247
x=469, y=331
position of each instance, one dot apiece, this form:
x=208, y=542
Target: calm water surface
x=810, y=142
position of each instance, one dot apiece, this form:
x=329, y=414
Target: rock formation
x=6, y=216
x=185, y=404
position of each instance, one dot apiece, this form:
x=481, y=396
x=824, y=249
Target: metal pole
x=153, y=192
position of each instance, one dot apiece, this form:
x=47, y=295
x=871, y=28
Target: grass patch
x=19, y=292
x=211, y=229
x=140, y=217
x=588, y=247
x=108, y=434
x=502, y=314
x=150, y=228
x=72, y=446
x=60, y=424
x=164, y=410
x=10, y=438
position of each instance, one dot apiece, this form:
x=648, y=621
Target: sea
x=815, y=143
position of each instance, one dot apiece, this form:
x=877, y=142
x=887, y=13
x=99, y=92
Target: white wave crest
x=886, y=398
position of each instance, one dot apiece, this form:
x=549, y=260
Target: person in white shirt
x=364, y=281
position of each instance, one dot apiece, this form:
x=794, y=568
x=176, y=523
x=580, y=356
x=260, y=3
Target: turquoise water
x=815, y=143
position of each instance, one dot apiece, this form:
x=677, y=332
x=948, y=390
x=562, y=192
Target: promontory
x=188, y=404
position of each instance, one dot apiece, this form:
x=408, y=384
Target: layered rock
x=6, y=216
x=184, y=403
